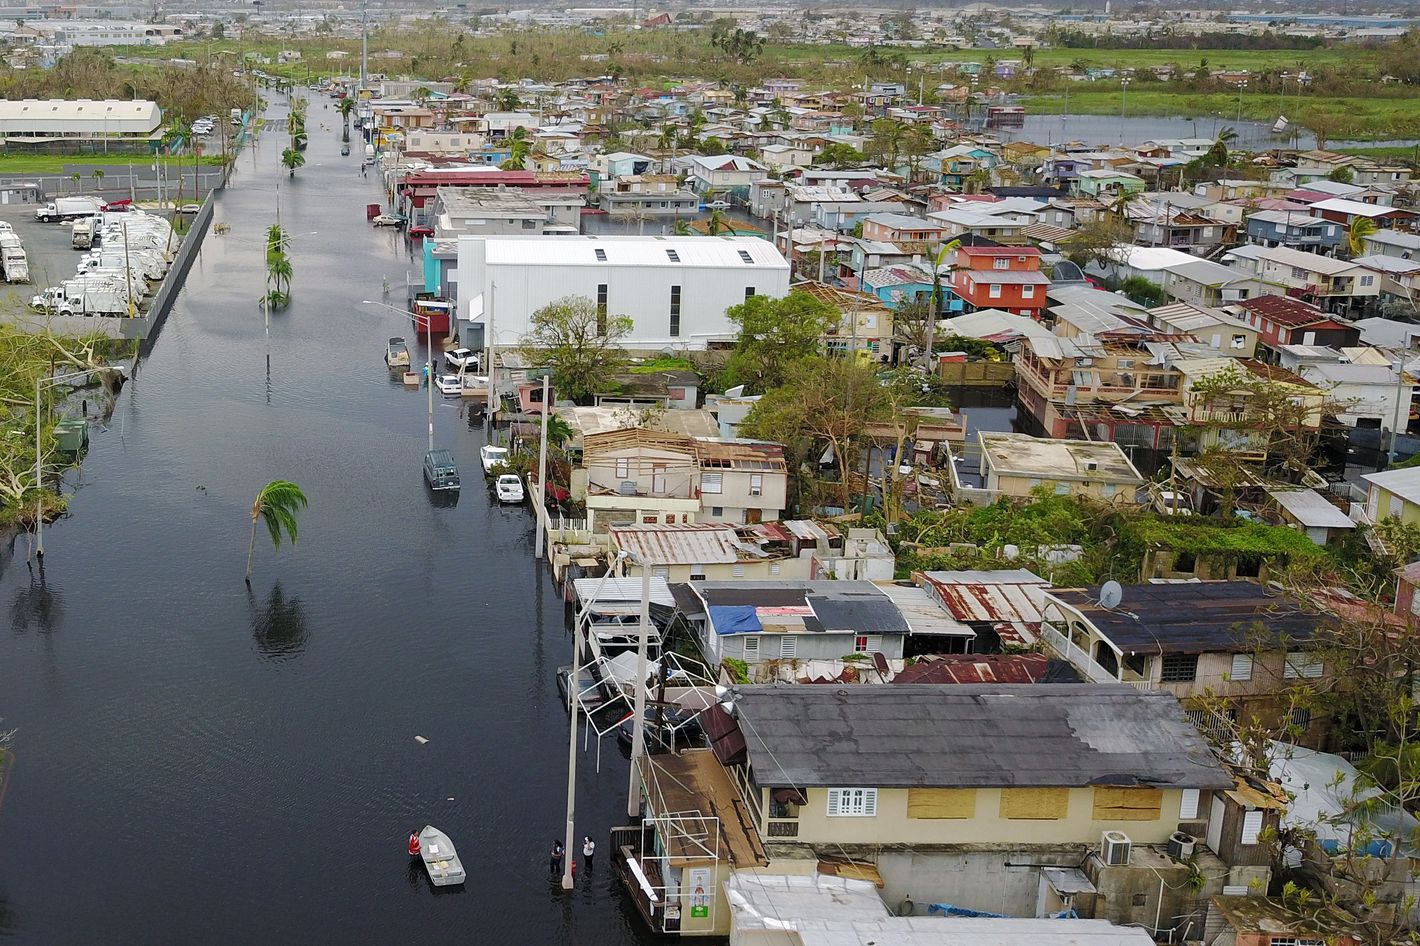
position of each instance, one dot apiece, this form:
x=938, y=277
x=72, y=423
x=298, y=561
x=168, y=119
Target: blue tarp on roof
x=735, y=619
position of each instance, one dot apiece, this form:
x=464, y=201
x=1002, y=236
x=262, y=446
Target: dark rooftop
x=1195, y=617
x=736, y=606
x=972, y=736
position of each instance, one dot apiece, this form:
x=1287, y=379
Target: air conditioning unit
x=1180, y=846
x=1114, y=849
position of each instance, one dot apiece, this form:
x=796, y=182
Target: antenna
x=1111, y=594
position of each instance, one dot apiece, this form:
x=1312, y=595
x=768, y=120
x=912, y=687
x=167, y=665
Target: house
x=1016, y=464
x=760, y=621
x=866, y=324
x=636, y=196
x=1300, y=231
x=463, y=211
x=1213, y=327
x=1230, y=640
x=1282, y=320
x=1394, y=243
x=725, y=173
x=1335, y=285
x=1312, y=513
x=997, y=608
x=619, y=164
x=795, y=910
x=674, y=289
x=1393, y=494
x=1005, y=278
x=647, y=476
x=982, y=221
x=896, y=285
x=897, y=227
x=69, y=125
x=700, y=551
x=1107, y=184
x=1246, y=920
x=1343, y=211
x=1202, y=282
x=1364, y=395
x=947, y=785
x=1222, y=397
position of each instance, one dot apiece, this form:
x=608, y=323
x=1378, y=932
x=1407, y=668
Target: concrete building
x=1016, y=464
x=675, y=290
x=633, y=196
x=466, y=211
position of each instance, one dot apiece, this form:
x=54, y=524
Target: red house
x=1282, y=320
x=1000, y=277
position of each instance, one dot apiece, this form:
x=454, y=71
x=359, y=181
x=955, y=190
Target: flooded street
x=196, y=762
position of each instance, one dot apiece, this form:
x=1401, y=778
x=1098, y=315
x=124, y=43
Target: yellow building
x=1017, y=464
x=1393, y=494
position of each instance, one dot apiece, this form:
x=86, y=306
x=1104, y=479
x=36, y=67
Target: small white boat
x=440, y=859
x=492, y=457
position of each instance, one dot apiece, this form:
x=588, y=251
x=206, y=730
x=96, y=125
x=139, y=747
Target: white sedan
x=509, y=488
x=461, y=359
x=718, y=205
x=449, y=385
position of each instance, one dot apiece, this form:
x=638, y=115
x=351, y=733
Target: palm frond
x=277, y=505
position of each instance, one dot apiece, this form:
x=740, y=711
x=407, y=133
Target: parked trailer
x=69, y=208
x=81, y=233
x=16, y=265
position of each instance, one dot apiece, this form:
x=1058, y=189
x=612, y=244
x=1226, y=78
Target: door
x=1215, y=824
x=658, y=479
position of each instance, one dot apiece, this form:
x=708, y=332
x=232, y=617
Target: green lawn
x=1107, y=58
x=60, y=163
x=1358, y=118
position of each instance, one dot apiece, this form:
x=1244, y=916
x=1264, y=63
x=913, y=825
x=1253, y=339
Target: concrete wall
x=177, y=273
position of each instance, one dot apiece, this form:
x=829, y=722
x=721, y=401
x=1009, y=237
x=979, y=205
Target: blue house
x=1296, y=229
x=904, y=282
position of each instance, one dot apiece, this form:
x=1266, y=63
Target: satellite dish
x=1011, y=552
x=1111, y=593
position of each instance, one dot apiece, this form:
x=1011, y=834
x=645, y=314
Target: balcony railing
x=1077, y=656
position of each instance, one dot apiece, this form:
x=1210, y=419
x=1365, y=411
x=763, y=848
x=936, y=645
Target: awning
x=788, y=796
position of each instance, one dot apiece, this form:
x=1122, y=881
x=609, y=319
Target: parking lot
x=51, y=259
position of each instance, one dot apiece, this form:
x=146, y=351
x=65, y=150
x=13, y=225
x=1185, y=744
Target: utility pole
x=638, y=725
x=541, y=501
x=364, y=47
x=489, y=352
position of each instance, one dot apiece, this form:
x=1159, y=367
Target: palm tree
x=716, y=223
x=76, y=177
x=558, y=431
x=98, y=175
x=949, y=247
x=292, y=159
x=277, y=505
x=683, y=228
x=1218, y=154
x=1361, y=227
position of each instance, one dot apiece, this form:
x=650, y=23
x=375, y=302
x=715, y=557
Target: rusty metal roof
x=976, y=668
x=681, y=544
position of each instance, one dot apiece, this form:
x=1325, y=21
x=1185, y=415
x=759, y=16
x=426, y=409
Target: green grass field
x=60, y=163
x=1106, y=58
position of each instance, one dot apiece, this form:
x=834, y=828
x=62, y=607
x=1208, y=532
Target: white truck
x=137, y=285
x=144, y=263
x=81, y=233
x=69, y=208
x=236, y=116
x=13, y=259
x=80, y=297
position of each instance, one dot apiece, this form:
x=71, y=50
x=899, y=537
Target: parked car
x=449, y=385
x=718, y=205
x=389, y=220
x=440, y=470
x=509, y=488
x=461, y=359
x=189, y=208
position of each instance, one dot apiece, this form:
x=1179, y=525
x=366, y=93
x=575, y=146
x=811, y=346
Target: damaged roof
x=973, y=736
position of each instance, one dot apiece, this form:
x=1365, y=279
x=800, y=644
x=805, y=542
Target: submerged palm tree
x=716, y=223
x=277, y=505
x=292, y=159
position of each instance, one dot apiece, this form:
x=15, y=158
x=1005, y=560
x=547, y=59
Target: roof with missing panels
x=972, y=736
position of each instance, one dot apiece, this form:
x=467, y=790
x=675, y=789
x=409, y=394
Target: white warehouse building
x=674, y=289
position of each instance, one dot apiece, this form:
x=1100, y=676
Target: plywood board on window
x=1128, y=804
x=1038, y=804
x=941, y=803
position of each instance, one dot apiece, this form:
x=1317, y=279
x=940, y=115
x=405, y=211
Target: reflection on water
x=36, y=605
x=278, y=626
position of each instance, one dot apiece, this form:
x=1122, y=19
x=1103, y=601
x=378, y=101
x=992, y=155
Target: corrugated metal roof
x=678, y=544
x=976, y=668
x=618, y=591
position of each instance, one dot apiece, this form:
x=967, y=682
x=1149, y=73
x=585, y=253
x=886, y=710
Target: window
x=601, y=255
x=994, y=291
x=1082, y=379
x=941, y=803
x=672, y=255
x=751, y=647
x=1301, y=665
x=1301, y=718
x=623, y=467
x=712, y=482
x=756, y=484
x=1028, y=292
x=746, y=258
x=660, y=571
x=529, y=224
x=1140, y=899
x=1367, y=280
x=675, y=310
x=1242, y=667
x=852, y=802
x=1251, y=826
x=1298, y=273
x=1107, y=490
x=601, y=307
x=1000, y=262
x=1062, y=489
x=749, y=292
x=1188, y=804
x=867, y=643
x=1034, y=804
x=717, y=510
x=1239, y=342
x=788, y=647
x=737, y=571
x=1178, y=668
x=1127, y=804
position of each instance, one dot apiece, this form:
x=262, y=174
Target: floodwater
x=199, y=762
x=1133, y=129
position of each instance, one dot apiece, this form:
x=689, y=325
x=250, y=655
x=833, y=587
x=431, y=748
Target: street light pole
x=541, y=502
x=1123, y=99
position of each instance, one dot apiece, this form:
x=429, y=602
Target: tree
x=774, y=334
x=580, y=342
x=292, y=159
x=1095, y=241
x=1143, y=292
x=1341, y=174
x=98, y=175
x=715, y=224
x=839, y=155
x=1218, y=154
x=917, y=143
x=1356, y=233
x=76, y=177
x=277, y=505
x=886, y=143
x=823, y=404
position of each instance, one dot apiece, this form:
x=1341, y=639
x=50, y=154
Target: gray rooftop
x=973, y=736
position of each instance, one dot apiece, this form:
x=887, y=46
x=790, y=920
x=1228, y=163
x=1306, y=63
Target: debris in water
x=420, y=739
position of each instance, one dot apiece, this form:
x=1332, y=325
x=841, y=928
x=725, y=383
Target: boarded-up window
x=941, y=803
x=1128, y=804
x=1037, y=804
